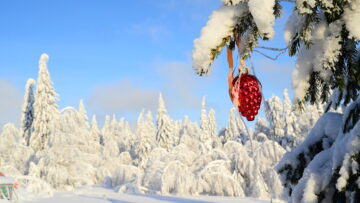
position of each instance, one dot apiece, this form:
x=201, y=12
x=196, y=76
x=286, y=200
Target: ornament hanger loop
x=243, y=69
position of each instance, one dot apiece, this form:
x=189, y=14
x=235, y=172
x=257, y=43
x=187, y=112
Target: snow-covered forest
x=304, y=149
x=61, y=149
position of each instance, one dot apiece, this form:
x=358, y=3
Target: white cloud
x=153, y=31
x=274, y=75
x=123, y=97
x=180, y=84
x=10, y=103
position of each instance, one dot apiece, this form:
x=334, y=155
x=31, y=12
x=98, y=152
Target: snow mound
x=177, y=179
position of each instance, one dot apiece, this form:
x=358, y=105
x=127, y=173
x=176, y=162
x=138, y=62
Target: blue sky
x=118, y=56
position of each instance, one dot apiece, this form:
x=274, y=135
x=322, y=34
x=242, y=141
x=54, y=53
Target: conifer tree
x=114, y=127
x=126, y=138
x=144, y=132
x=46, y=110
x=8, y=141
x=27, y=115
x=212, y=123
x=262, y=126
x=83, y=118
x=151, y=130
x=232, y=131
x=110, y=132
x=94, y=131
x=204, y=121
x=164, y=126
x=290, y=122
x=106, y=130
x=274, y=113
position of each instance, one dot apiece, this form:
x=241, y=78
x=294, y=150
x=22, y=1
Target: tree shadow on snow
x=105, y=198
x=172, y=199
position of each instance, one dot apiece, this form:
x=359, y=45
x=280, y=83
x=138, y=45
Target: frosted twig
x=270, y=57
x=271, y=48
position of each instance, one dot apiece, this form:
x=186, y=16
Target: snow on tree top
x=44, y=57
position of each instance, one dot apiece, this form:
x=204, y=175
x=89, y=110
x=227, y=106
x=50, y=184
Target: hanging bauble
x=247, y=92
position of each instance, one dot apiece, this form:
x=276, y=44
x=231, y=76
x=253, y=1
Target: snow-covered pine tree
x=126, y=138
x=164, y=126
x=215, y=139
x=27, y=114
x=46, y=110
x=94, y=131
x=261, y=128
x=14, y=157
x=114, y=127
x=235, y=130
x=231, y=131
x=143, y=131
x=212, y=123
x=110, y=135
x=290, y=122
x=324, y=35
x=106, y=130
x=83, y=118
x=274, y=114
x=205, y=136
x=204, y=121
x=244, y=133
x=151, y=130
x=8, y=141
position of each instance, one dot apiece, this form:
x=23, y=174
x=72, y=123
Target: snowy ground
x=103, y=195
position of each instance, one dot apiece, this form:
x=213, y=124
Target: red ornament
x=247, y=95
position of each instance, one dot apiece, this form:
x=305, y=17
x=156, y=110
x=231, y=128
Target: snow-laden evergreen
x=291, y=124
x=235, y=130
x=164, y=126
x=45, y=108
x=274, y=113
x=324, y=168
x=287, y=124
x=83, y=118
x=95, y=133
x=27, y=115
x=145, y=131
x=204, y=122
